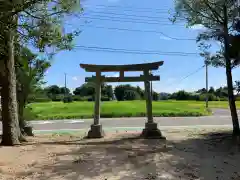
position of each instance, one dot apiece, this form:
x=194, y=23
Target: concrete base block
x=96, y=131
x=28, y=130
x=152, y=132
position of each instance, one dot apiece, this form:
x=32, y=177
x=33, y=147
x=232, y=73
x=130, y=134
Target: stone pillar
x=148, y=98
x=96, y=128
x=151, y=130
x=97, y=98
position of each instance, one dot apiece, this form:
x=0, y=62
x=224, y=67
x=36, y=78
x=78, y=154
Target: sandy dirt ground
x=187, y=154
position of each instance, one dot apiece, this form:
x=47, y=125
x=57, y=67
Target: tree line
x=86, y=92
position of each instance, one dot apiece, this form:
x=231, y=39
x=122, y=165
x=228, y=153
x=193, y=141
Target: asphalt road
x=220, y=117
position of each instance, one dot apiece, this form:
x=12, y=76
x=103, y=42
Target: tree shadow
x=206, y=156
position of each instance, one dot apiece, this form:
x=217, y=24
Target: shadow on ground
x=206, y=156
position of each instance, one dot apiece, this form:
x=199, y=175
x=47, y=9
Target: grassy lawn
x=59, y=110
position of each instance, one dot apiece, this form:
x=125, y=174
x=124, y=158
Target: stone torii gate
x=151, y=130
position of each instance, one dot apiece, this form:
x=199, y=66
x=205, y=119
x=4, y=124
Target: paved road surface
x=220, y=118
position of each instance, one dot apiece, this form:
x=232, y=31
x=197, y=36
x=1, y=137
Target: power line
x=131, y=21
x=121, y=14
x=132, y=8
x=185, y=77
x=127, y=18
x=132, y=51
x=139, y=30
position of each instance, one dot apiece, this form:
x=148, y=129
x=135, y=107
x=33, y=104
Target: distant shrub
x=223, y=99
x=90, y=98
x=237, y=98
x=32, y=99
x=104, y=98
x=77, y=98
x=58, y=98
x=67, y=99
x=211, y=97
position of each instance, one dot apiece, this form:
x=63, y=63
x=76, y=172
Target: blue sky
x=175, y=68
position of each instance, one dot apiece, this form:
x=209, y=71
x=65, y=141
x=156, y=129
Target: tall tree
x=35, y=22
x=217, y=17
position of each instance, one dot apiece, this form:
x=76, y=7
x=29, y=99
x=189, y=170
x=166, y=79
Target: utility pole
x=65, y=85
x=206, y=65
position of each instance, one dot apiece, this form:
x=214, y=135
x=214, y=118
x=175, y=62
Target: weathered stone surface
x=96, y=131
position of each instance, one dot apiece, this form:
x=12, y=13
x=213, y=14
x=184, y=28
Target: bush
x=104, y=98
x=183, y=95
x=90, y=98
x=130, y=95
x=237, y=98
x=77, y=98
x=67, y=99
x=57, y=98
x=211, y=97
x=223, y=99
x=32, y=99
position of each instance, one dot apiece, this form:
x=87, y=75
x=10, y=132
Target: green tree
x=126, y=92
x=140, y=92
x=23, y=22
x=216, y=17
x=30, y=73
x=87, y=89
x=156, y=96
x=221, y=92
x=201, y=91
x=237, y=86
x=211, y=90
x=107, y=91
x=130, y=95
x=53, y=91
x=64, y=90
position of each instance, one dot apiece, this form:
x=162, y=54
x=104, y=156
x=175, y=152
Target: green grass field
x=59, y=110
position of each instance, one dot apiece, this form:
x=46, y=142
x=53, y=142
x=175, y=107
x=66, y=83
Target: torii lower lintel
x=151, y=130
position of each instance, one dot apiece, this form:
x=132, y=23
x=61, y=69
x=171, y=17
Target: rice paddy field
x=111, y=109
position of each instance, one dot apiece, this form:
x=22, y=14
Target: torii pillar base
x=96, y=131
x=151, y=131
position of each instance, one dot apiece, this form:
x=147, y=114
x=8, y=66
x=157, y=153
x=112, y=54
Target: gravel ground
x=187, y=154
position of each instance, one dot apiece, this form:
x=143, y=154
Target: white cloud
x=74, y=78
x=116, y=74
x=165, y=38
x=113, y=75
x=198, y=27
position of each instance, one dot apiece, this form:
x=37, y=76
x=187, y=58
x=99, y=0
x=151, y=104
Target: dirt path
x=195, y=154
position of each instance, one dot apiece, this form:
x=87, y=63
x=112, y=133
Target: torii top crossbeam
x=118, y=68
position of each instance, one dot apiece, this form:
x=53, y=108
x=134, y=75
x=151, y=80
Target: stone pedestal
x=96, y=131
x=151, y=131
x=28, y=130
